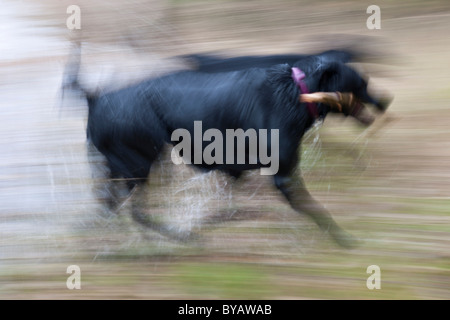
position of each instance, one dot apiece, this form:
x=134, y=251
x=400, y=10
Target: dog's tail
x=70, y=79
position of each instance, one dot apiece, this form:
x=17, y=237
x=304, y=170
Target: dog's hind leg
x=115, y=174
x=135, y=166
x=293, y=188
x=109, y=189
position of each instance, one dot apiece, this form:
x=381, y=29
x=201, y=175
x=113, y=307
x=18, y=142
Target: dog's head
x=345, y=91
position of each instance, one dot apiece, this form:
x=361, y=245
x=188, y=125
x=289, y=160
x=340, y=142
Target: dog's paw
x=346, y=240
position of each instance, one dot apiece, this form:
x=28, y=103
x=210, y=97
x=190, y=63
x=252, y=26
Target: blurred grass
x=225, y=281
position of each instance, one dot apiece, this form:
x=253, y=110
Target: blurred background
x=388, y=185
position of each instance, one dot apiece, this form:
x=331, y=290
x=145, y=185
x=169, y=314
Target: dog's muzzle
x=345, y=103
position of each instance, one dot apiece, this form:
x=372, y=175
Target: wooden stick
x=333, y=99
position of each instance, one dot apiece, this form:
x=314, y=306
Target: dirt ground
x=389, y=184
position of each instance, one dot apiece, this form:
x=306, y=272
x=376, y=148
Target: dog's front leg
x=293, y=188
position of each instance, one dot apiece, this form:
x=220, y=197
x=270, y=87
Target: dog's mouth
x=345, y=103
x=357, y=110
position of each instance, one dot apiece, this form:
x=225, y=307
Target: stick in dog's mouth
x=345, y=103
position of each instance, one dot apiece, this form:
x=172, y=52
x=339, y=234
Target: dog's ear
x=326, y=76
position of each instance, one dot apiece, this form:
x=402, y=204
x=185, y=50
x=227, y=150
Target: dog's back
x=215, y=63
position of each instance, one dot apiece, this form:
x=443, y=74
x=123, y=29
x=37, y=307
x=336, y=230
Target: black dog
x=131, y=126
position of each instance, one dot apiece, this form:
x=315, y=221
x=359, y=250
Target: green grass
x=226, y=281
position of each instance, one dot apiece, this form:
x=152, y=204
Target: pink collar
x=298, y=77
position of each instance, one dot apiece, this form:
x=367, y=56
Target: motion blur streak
x=389, y=184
